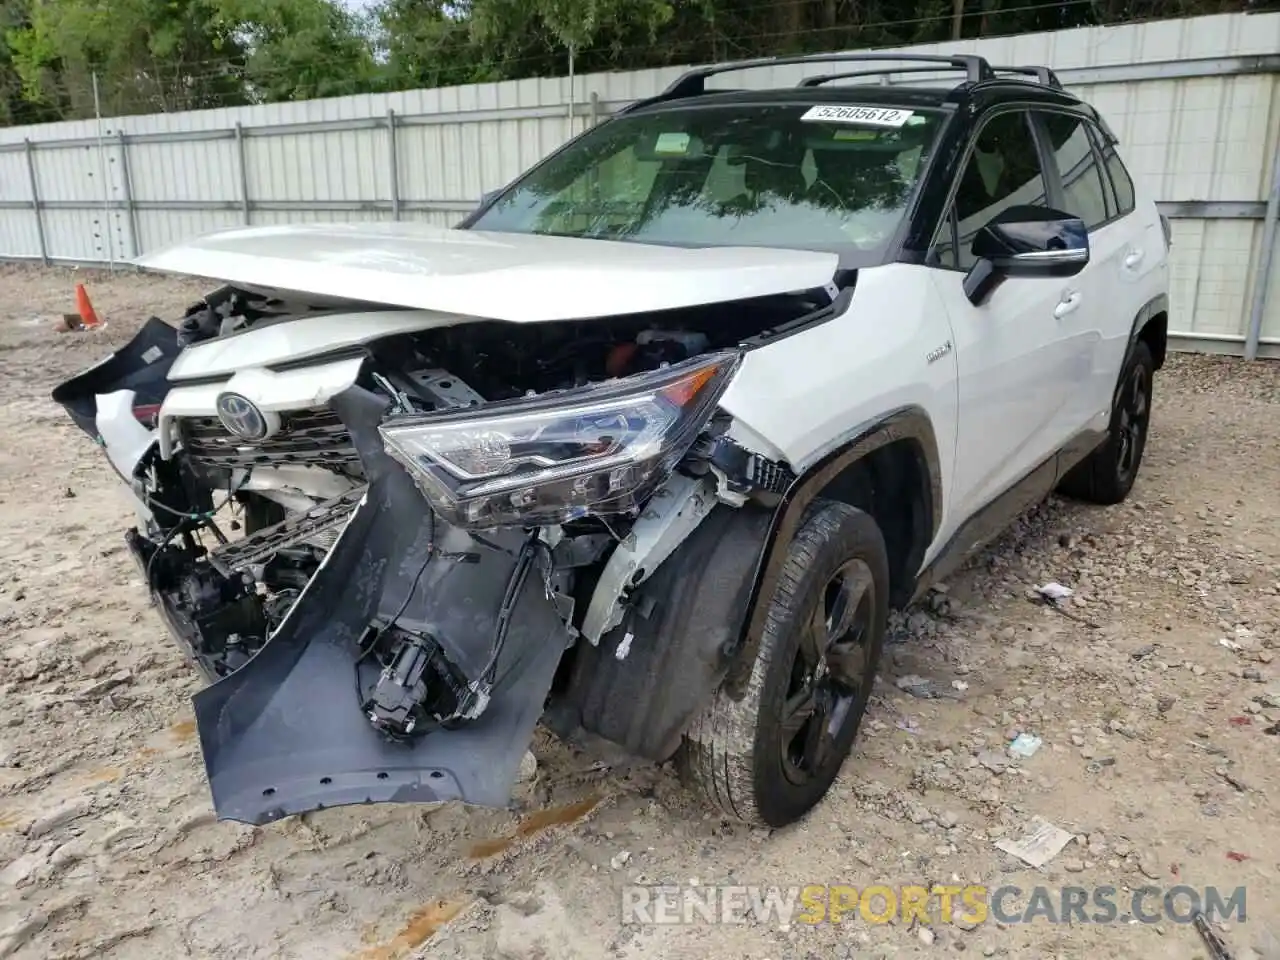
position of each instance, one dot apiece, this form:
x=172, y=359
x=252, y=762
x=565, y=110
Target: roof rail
x=819, y=79
x=693, y=82
x=1043, y=74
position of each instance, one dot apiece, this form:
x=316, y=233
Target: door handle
x=1067, y=305
x=1133, y=259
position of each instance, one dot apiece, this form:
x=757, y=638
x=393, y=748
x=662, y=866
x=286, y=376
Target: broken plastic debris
x=1229, y=644
x=1237, y=857
x=960, y=685
x=1025, y=745
x=925, y=689
x=909, y=724
x=915, y=685
x=1054, y=591
x=1040, y=844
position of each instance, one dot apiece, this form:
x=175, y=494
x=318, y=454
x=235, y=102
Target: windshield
x=834, y=177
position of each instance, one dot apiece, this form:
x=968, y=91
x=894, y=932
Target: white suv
x=646, y=448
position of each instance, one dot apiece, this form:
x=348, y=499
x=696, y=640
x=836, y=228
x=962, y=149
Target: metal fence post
x=393, y=164
x=243, y=171
x=126, y=178
x=1266, y=257
x=106, y=179
x=35, y=199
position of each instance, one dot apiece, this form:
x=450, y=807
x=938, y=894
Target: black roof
x=977, y=96
x=982, y=84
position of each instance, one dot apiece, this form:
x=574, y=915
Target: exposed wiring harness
x=369, y=642
x=481, y=686
x=399, y=701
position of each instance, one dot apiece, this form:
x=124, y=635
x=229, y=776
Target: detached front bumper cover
x=285, y=734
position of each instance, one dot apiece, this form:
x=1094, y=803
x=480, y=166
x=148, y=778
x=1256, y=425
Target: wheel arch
x=1151, y=326
x=890, y=469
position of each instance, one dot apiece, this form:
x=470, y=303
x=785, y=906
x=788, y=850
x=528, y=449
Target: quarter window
x=1120, y=178
x=1083, y=193
x=1002, y=171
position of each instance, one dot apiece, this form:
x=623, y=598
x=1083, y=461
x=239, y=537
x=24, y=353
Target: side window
x=1002, y=171
x=1120, y=178
x=1083, y=193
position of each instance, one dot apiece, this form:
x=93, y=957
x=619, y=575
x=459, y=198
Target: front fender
x=908, y=423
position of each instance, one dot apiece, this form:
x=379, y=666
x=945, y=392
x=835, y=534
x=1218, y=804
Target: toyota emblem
x=242, y=417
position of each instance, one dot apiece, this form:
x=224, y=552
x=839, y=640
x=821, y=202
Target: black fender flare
x=1153, y=308
x=905, y=423
x=1157, y=305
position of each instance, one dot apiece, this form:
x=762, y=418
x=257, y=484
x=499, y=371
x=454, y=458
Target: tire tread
x=1095, y=479
x=717, y=756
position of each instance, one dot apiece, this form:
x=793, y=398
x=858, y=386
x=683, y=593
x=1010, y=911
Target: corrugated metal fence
x=1194, y=103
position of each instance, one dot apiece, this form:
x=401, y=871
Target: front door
x=1013, y=350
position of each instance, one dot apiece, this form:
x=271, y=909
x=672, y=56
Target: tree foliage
x=165, y=55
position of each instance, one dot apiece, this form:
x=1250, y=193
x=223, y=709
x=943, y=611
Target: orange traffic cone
x=87, y=315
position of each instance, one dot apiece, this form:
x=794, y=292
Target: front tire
x=770, y=757
x=1107, y=475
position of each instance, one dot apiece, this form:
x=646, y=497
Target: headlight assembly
x=597, y=449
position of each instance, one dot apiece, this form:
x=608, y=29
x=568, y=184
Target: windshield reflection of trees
x=847, y=181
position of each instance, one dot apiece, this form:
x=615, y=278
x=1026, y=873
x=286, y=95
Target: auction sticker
x=868, y=116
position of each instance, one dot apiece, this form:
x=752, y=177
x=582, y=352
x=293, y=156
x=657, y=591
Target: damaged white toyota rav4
x=647, y=447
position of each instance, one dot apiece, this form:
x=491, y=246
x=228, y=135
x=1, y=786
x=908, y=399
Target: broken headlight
x=599, y=449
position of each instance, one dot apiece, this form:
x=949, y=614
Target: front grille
x=311, y=437
x=322, y=522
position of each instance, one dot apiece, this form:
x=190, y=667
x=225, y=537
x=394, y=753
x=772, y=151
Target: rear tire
x=770, y=757
x=1107, y=475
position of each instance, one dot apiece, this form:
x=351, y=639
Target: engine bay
x=487, y=360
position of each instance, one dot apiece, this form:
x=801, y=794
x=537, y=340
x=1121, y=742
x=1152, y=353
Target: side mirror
x=485, y=200
x=1026, y=241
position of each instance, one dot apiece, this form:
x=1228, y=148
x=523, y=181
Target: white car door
x=1099, y=329
x=1016, y=367
x=1142, y=272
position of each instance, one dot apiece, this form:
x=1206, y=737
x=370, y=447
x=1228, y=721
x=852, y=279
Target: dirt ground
x=1155, y=690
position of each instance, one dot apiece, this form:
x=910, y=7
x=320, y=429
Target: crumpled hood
x=521, y=278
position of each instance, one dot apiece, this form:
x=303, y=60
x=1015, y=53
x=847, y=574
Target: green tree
x=427, y=43
x=149, y=55
x=300, y=49
x=160, y=55
x=15, y=108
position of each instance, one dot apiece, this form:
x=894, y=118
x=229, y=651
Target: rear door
x=1144, y=268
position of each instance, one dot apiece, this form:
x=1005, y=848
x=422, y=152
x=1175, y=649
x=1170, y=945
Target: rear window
x=830, y=177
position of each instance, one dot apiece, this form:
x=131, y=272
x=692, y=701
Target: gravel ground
x=1154, y=688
